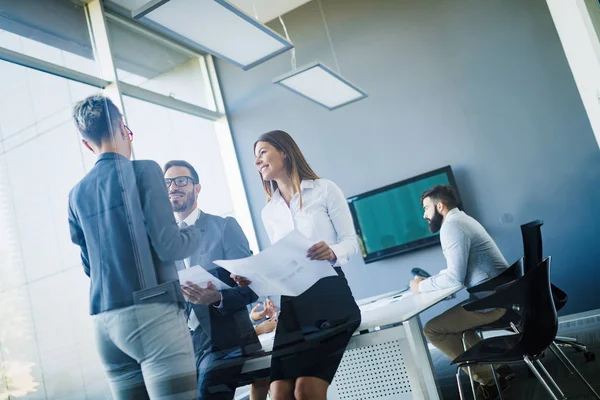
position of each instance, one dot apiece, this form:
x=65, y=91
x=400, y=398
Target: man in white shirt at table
x=472, y=257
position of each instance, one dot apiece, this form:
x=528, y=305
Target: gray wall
x=481, y=85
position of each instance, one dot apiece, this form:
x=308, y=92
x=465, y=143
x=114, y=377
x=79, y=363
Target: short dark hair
x=182, y=163
x=442, y=194
x=96, y=117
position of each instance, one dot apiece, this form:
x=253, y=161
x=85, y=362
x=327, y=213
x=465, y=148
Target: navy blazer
x=227, y=328
x=99, y=225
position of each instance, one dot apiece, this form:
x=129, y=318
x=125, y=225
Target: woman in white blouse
x=299, y=199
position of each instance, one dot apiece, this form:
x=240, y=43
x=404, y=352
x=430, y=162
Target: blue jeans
x=147, y=352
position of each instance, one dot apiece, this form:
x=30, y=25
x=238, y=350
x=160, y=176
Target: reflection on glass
x=45, y=330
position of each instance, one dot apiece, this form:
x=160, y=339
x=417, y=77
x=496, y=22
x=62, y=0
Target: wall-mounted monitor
x=389, y=220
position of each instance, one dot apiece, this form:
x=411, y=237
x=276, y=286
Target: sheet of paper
x=281, y=269
x=200, y=277
x=384, y=302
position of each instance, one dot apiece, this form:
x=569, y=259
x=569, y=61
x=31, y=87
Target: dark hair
x=185, y=164
x=96, y=117
x=442, y=194
x=296, y=165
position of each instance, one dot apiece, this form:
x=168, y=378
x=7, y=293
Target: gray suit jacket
x=227, y=328
x=100, y=225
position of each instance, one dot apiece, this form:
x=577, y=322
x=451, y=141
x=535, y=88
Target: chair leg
x=561, y=358
x=496, y=382
x=460, y=392
x=539, y=377
x=464, y=342
x=552, y=381
x=575, y=369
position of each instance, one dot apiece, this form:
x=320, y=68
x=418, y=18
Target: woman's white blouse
x=324, y=216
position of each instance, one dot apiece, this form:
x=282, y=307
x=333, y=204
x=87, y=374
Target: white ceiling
x=267, y=10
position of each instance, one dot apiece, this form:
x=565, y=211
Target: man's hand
x=240, y=280
x=266, y=327
x=197, y=295
x=321, y=251
x=414, y=284
x=268, y=310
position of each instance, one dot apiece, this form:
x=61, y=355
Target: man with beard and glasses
x=471, y=257
x=218, y=319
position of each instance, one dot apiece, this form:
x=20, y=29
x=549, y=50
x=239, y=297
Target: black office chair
x=510, y=274
x=531, y=298
x=532, y=245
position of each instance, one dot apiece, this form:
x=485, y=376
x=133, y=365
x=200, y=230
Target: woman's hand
x=240, y=280
x=321, y=251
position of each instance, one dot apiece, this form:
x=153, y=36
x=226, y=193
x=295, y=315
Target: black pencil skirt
x=314, y=330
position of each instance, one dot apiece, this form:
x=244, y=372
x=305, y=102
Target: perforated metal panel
x=372, y=372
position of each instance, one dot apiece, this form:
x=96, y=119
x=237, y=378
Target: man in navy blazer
x=218, y=320
x=145, y=348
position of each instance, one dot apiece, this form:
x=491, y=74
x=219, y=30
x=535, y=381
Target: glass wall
x=47, y=347
x=46, y=339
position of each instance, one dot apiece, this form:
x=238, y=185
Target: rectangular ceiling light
x=320, y=84
x=216, y=27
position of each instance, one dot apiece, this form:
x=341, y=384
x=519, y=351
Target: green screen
x=395, y=217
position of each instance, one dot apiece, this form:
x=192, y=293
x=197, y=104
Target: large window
x=46, y=338
x=144, y=63
x=54, y=31
x=47, y=64
x=162, y=135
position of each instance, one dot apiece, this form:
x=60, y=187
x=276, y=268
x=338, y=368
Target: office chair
x=531, y=298
x=532, y=245
x=510, y=274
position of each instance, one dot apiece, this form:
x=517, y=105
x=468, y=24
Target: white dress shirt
x=191, y=219
x=325, y=216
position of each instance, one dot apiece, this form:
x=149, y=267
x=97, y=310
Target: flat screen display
x=389, y=220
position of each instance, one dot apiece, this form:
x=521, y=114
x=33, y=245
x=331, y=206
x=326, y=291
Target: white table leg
x=423, y=367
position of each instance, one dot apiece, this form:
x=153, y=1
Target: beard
x=185, y=205
x=435, y=223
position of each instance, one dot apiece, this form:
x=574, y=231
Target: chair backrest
x=532, y=244
x=532, y=247
x=539, y=322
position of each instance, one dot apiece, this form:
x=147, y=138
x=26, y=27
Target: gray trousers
x=147, y=352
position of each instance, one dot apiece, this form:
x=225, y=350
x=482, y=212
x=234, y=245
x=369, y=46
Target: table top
x=398, y=306
x=376, y=311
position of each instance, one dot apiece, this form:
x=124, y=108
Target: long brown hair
x=296, y=165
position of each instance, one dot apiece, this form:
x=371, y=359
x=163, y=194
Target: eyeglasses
x=129, y=132
x=180, y=181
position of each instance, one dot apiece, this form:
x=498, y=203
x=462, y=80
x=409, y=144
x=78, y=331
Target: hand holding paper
x=197, y=295
x=199, y=276
x=281, y=269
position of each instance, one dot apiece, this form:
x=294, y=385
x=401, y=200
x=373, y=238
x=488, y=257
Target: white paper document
x=200, y=277
x=281, y=269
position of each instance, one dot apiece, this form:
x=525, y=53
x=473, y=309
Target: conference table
x=387, y=357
